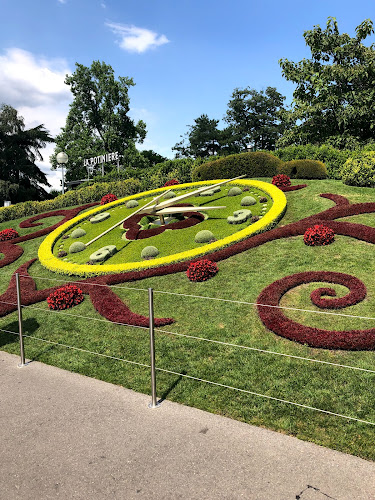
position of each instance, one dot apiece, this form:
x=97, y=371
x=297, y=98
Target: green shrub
x=103, y=253
x=77, y=233
x=76, y=247
x=204, y=236
x=360, y=171
x=239, y=216
x=247, y=201
x=257, y=164
x=169, y=195
x=333, y=158
x=149, y=252
x=132, y=204
x=304, y=169
x=234, y=191
x=210, y=192
x=100, y=217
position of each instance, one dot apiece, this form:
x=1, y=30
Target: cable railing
x=152, y=330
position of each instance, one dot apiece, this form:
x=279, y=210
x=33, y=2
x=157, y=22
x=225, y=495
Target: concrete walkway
x=66, y=436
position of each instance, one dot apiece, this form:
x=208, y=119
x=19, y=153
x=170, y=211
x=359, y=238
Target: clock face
x=138, y=232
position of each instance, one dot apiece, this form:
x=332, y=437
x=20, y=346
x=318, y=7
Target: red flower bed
x=8, y=234
x=318, y=235
x=107, y=198
x=172, y=182
x=275, y=320
x=281, y=180
x=202, y=270
x=286, y=189
x=65, y=297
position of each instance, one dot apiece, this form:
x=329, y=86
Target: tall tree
x=334, y=99
x=255, y=117
x=203, y=139
x=19, y=152
x=98, y=120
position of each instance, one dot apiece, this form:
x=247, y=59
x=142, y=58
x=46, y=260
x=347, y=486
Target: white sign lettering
x=91, y=162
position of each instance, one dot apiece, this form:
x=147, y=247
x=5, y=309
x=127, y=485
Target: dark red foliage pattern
x=201, y=270
x=107, y=198
x=8, y=234
x=172, y=182
x=318, y=235
x=281, y=180
x=65, y=297
x=364, y=339
x=286, y=189
x=275, y=320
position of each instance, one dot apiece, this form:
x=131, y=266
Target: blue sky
x=185, y=56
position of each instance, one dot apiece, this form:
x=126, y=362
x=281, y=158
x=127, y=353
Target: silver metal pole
x=118, y=165
x=20, y=319
x=62, y=178
x=154, y=403
x=102, y=168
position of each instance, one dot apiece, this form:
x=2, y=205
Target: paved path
x=66, y=436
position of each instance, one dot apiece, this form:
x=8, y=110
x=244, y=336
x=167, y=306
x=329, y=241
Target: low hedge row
x=75, y=197
x=257, y=164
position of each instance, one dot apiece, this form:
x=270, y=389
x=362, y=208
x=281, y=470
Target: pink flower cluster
x=202, y=270
x=318, y=235
x=281, y=180
x=8, y=234
x=65, y=297
x=107, y=198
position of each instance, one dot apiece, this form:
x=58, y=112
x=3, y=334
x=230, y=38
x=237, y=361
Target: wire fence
x=162, y=332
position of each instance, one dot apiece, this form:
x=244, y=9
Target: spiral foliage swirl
x=275, y=320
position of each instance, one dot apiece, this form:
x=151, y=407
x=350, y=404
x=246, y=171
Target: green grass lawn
x=242, y=277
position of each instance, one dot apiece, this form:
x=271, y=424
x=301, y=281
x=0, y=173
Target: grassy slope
x=241, y=278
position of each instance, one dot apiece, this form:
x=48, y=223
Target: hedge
x=75, y=197
x=304, y=169
x=257, y=164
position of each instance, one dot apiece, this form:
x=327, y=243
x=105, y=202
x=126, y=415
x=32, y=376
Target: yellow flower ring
x=269, y=220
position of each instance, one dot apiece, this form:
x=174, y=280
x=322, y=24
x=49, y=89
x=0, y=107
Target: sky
x=185, y=56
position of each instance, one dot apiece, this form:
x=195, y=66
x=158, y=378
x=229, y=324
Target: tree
x=203, y=139
x=98, y=120
x=19, y=151
x=153, y=157
x=255, y=117
x=334, y=100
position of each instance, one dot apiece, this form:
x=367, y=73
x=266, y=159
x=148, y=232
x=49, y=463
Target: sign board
x=91, y=162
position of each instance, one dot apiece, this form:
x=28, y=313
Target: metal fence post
x=154, y=403
x=20, y=329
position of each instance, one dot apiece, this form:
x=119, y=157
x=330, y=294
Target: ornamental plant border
x=48, y=260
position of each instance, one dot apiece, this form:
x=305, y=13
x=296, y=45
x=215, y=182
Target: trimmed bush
x=103, y=253
x=169, y=195
x=281, y=180
x=100, y=217
x=132, y=204
x=204, y=236
x=304, y=169
x=149, y=252
x=210, y=192
x=360, y=171
x=257, y=164
x=239, y=216
x=107, y=198
x=234, y=191
x=77, y=233
x=65, y=297
x=76, y=247
x=202, y=270
x=263, y=199
x=8, y=234
x=247, y=201
x=62, y=253
x=318, y=235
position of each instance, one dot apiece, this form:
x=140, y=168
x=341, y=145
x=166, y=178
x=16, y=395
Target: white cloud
x=134, y=39
x=62, y=1
x=35, y=87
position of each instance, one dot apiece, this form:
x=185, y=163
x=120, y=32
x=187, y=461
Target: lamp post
x=61, y=159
